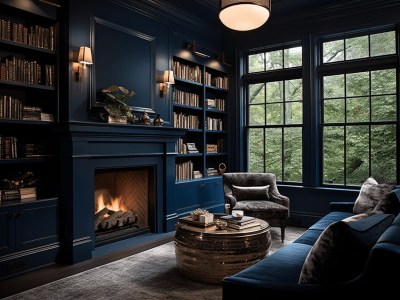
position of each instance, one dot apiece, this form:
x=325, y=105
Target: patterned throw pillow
x=371, y=193
x=342, y=249
x=250, y=192
x=390, y=204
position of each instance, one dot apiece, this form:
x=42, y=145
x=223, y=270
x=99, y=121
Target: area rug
x=151, y=274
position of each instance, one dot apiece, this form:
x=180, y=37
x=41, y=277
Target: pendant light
x=244, y=15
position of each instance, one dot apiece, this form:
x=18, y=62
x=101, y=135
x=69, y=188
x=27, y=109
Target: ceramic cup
x=237, y=214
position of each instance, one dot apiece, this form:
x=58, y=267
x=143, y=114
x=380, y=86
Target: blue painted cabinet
x=206, y=193
x=28, y=235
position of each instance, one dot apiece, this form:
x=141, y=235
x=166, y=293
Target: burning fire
x=104, y=200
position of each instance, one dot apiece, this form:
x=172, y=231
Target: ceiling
x=207, y=10
x=278, y=6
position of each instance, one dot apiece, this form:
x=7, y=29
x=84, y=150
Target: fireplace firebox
x=123, y=203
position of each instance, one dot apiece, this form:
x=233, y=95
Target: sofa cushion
x=276, y=268
x=330, y=218
x=371, y=193
x=309, y=237
x=250, y=192
x=341, y=251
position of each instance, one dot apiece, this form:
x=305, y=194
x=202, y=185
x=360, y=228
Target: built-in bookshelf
x=28, y=108
x=28, y=94
x=199, y=105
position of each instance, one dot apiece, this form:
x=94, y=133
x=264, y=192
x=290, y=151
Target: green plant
x=116, y=97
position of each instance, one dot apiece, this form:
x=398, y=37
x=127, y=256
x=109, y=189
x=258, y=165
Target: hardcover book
x=244, y=220
x=244, y=226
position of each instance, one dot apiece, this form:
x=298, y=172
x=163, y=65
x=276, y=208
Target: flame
x=115, y=205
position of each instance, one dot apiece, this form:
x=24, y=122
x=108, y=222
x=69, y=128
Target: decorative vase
x=221, y=168
x=158, y=121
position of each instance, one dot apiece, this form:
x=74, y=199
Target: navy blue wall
x=308, y=202
x=133, y=43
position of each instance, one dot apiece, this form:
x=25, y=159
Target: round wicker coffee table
x=210, y=254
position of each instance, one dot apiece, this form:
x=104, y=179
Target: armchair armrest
x=341, y=206
x=275, y=196
x=230, y=199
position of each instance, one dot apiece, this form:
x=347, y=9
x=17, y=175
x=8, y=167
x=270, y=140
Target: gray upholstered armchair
x=258, y=196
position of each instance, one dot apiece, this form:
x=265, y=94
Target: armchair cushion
x=250, y=192
x=263, y=209
x=342, y=249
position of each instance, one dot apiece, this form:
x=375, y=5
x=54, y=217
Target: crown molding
x=163, y=11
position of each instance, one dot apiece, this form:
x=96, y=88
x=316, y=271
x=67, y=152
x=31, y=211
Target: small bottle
x=227, y=207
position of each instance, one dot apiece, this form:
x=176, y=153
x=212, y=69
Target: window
x=351, y=124
x=359, y=109
x=275, y=113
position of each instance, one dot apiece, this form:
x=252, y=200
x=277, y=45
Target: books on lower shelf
x=24, y=194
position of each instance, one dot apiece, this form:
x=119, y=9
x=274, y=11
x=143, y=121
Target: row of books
x=35, y=35
x=9, y=149
x=30, y=72
x=184, y=171
x=214, y=123
x=13, y=108
x=216, y=104
x=182, y=120
x=23, y=194
x=186, y=98
x=185, y=148
x=243, y=223
x=183, y=71
x=219, y=81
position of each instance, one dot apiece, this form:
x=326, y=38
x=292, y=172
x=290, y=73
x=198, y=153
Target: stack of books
x=243, y=223
x=24, y=194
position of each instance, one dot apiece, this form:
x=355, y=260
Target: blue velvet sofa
x=279, y=274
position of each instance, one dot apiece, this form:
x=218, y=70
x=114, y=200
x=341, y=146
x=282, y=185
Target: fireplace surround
x=87, y=149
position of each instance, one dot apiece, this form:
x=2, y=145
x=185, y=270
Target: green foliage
x=116, y=98
x=354, y=147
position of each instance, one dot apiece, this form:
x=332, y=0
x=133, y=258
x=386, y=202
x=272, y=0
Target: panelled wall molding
x=115, y=62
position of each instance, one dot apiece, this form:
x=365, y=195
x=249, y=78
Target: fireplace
x=123, y=203
x=102, y=161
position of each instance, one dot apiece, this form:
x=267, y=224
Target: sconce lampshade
x=85, y=56
x=244, y=15
x=169, y=77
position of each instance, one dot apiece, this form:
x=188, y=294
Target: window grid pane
x=275, y=116
x=360, y=47
x=352, y=153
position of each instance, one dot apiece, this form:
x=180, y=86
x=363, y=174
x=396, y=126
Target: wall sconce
x=84, y=58
x=168, y=80
x=192, y=47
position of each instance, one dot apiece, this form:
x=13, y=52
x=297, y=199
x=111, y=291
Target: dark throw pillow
x=342, y=249
x=390, y=204
x=371, y=193
x=250, y=192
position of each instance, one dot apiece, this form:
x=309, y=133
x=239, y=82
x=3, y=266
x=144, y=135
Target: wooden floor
x=101, y=256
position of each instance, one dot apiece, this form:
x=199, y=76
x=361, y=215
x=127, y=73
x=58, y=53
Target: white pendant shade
x=244, y=15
